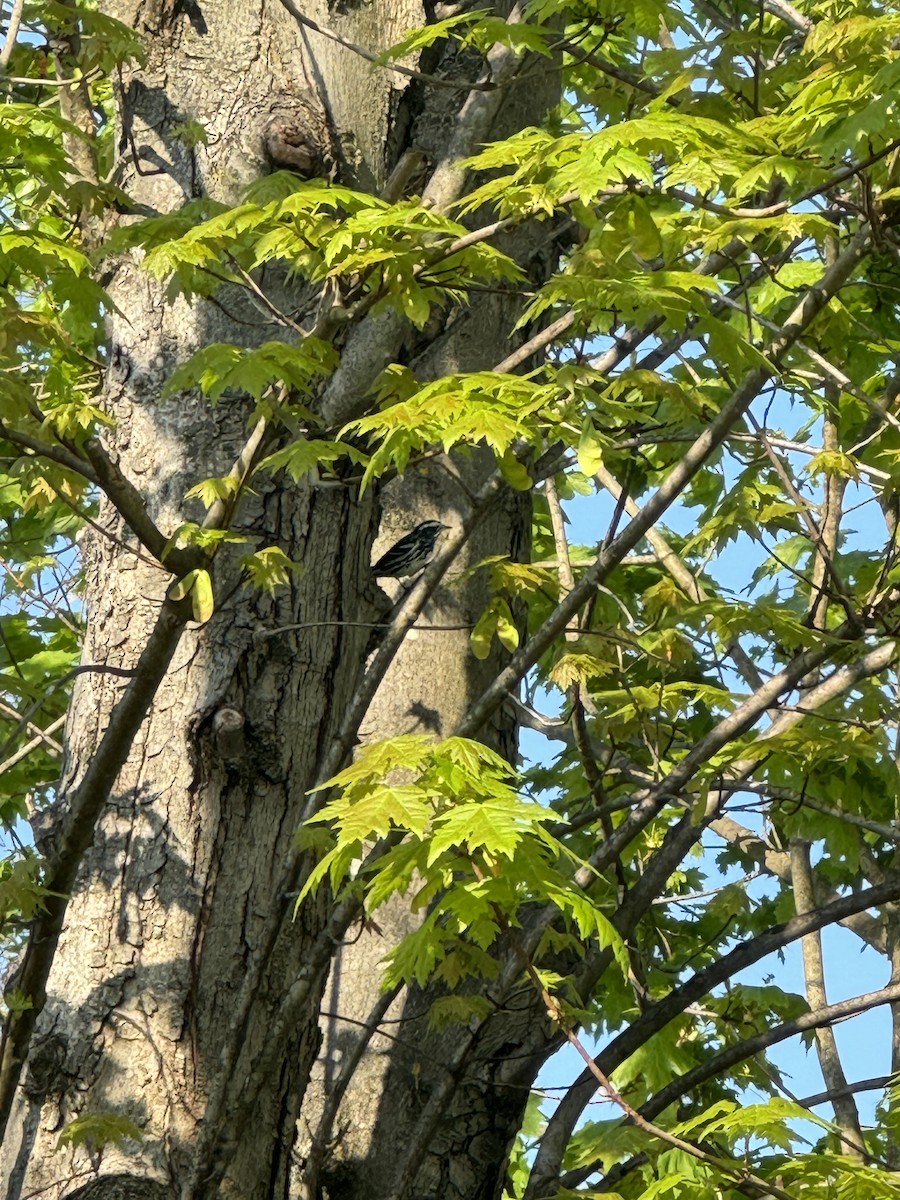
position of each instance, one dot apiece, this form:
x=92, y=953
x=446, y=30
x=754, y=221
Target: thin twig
x=377, y=59
x=738, y=1172
x=804, y=507
x=39, y=599
x=9, y=711
x=50, y=689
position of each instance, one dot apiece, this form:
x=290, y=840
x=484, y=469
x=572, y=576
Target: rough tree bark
x=172, y=900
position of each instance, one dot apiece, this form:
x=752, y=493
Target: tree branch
x=672, y=486
x=43, y=737
x=293, y=1002
x=129, y=504
x=99, y=469
x=846, y=1116
x=12, y=32
x=789, y=14
x=545, y=1171
x=747, y=1048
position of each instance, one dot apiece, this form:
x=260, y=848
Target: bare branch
x=867, y=928
x=738, y=1171
x=825, y=557
x=877, y=1083
x=891, y=833
x=51, y=451
x=547, y=335
x=21, y=723
x=846, y=1115
x=129, y=504
x=789, y=14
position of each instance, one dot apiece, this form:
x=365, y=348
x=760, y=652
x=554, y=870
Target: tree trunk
x=172, y=901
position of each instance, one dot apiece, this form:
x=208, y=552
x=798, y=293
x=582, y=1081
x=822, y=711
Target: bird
x=411, y=554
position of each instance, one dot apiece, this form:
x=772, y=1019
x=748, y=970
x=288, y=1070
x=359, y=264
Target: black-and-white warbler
x=414, y=551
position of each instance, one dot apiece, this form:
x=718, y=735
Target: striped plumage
x=414, y=551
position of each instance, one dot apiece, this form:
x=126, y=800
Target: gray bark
x=172, y=900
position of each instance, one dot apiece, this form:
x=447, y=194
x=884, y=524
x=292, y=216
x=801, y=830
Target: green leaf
x=457, y=1010
x=210, y=490
x=426, y=35
x=269, y=568
x=98, y=1129
x=515, y=473
x=21, y=892
x=496, y=619
x=646, y=238
x=306, y=456
x=222, y=367
x=496, y=825
x=202, y=597
x=181, y=589
x=189, y=533
x=590, y=450
x=489, y=30
x=507, y=632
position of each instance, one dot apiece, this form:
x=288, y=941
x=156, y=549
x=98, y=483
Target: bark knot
x=290, y=146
